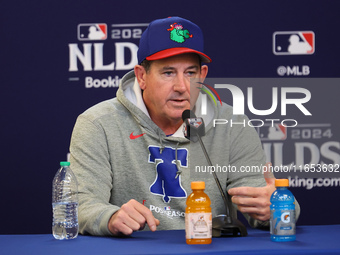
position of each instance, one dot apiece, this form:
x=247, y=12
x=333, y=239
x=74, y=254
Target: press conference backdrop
x=59, y=58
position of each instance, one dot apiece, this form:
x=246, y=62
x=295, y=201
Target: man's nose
x=181, y=83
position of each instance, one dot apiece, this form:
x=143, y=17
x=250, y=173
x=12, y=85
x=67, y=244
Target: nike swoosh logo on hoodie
x=132, y=136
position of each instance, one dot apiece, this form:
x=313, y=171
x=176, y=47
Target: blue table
x=310, y=240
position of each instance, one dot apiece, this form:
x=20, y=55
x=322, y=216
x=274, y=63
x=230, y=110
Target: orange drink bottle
x=198, y=218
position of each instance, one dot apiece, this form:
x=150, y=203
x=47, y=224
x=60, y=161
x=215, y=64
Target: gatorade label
x=282, y=222
x=198, y=225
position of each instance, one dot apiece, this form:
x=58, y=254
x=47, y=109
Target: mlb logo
x=91, y=32
x=167, y=208
x=273, y=132
x=294, y=43
x=196, y=122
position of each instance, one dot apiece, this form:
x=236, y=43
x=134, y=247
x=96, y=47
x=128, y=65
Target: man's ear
x=204, y=72
x=140, y=75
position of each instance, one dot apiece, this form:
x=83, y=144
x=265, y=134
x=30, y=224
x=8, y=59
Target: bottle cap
x=281, y=182
x=197, y=185
x=64, y=163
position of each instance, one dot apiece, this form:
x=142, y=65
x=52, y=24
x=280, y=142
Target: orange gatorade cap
x=281, y=182
x=197, y=185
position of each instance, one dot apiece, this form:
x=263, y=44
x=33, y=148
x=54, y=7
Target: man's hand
x=255, y=201
x=132, y=216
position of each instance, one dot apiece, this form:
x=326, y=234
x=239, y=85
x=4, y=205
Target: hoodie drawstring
x=178, y=165
x=161, y=142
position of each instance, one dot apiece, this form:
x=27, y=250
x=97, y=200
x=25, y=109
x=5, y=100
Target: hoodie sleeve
x=90, y=163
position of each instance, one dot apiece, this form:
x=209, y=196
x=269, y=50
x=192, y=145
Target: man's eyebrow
x=193, y=67
x=166, y=68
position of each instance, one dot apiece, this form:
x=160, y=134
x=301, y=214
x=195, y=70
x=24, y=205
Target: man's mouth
x=178, y=101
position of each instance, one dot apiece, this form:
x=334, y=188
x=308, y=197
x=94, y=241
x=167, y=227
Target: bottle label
x=282, y=222
x=198, y=225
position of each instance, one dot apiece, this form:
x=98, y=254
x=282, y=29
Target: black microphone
x=222, y=225
x=194, y=127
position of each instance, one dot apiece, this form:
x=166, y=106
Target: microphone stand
x=223, y=225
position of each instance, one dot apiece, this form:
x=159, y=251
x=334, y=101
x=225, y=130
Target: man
x=132, y=162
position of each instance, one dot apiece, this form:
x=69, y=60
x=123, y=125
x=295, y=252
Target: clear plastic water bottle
x=282, y=213
x=65, y=203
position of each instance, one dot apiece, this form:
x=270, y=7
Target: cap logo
x=177, y=33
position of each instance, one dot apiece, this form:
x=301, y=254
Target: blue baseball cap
x=171, y=36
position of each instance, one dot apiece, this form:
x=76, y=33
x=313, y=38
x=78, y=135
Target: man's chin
x=176, y=114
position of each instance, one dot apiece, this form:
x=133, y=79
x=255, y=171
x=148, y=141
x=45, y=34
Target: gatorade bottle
x=198, y=219
x=282, y=213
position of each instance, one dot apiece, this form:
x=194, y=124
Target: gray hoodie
x=118, y=153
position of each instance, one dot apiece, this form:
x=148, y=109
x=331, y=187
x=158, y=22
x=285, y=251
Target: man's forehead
x=189, y=60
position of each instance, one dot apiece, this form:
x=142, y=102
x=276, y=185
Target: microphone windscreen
x=188, y=114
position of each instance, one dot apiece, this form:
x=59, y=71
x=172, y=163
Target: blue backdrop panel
x=53, y=68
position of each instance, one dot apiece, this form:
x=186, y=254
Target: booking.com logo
x=239, y=103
